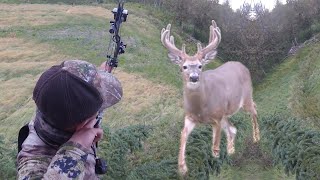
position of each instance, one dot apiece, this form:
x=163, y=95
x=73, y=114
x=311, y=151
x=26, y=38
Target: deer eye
x=184, y=67
x=200, y=66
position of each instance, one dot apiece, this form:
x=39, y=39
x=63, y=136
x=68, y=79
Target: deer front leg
x=188, y=127
x=216, y=137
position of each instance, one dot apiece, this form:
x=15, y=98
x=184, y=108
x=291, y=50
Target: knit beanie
x=64, y=99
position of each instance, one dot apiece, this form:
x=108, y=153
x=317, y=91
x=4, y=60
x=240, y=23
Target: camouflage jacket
x=37, y=160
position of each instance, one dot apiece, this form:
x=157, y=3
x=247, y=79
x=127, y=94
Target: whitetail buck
x=211, y=96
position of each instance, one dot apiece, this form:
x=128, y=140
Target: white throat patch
x=193, y=85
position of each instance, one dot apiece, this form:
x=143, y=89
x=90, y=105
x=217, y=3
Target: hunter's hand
x=86, y=134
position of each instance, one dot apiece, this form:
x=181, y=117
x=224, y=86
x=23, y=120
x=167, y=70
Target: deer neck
x=193, y=99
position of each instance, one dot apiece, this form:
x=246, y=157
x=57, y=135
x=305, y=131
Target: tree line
x=252, y=34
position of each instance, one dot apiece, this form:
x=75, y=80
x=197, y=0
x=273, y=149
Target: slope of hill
x=142, y=131
x=293, y=88
x=290, y=91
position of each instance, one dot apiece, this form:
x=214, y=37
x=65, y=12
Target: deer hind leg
x=216, y=137
x=188, y=127
x=251, y=108
x=230, y=131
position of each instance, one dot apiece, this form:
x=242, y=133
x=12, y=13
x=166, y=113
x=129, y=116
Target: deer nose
x=194, y=78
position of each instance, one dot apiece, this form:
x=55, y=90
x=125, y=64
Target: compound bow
x=120, y=15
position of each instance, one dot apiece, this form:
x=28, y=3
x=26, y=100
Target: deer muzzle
x=194, y=77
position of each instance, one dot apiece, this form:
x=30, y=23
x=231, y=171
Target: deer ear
x=175, y=58
x=209, y=57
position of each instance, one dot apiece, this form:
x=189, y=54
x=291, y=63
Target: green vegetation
x=121, y=144
x=293, y=88
x=291, y=91
x=142, y=132
x=305, y=99
x=297, y=149
x=7, y=160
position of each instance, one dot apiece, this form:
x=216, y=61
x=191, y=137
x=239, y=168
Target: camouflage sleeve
x=68, y=163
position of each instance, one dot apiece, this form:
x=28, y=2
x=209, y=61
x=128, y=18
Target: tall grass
x=305, y=99
x=295, y=147
x=7, y=158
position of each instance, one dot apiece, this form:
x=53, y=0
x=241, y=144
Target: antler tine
x=210, y=34
x=168, y=41
x=214, y=39
x=219, y=34
x=168, y=28
x=163, y=33
x=213, y=25
x=199, y=47
x=171, y=39
x=184, y=48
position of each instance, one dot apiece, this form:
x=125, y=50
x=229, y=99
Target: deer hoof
x=216, y=153
x=183, y=169
x=230, y=150
x=256, y=138
x=256, y=135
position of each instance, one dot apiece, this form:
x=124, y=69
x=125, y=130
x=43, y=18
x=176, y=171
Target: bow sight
x=120, y=15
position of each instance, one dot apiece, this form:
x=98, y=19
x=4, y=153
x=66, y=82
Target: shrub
x=119, y=145
x=297, y=149
x=7, y=160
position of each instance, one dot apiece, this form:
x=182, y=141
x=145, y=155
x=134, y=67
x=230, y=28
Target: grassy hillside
x=288, y=103
x=290, y=91
x=142, y=131
x=293, y=88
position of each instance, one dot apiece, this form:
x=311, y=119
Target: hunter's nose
x=194, y=78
